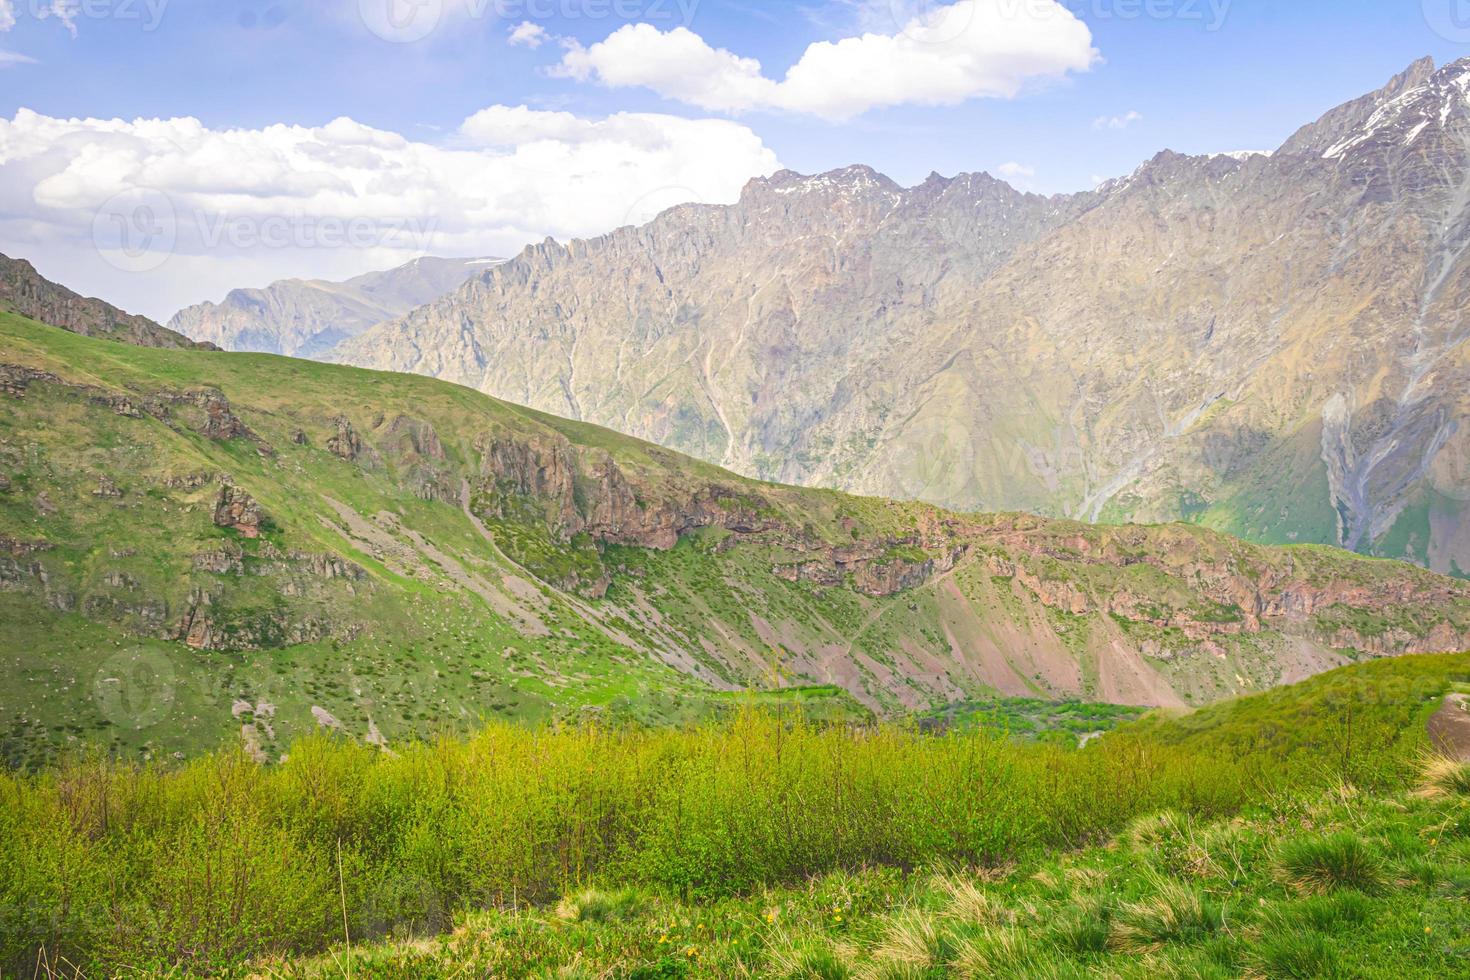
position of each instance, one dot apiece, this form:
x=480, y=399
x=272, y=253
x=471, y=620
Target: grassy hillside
x=768, y=846
x=197, y=546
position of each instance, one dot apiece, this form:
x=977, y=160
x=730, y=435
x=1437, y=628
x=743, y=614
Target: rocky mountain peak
x=1345, y=120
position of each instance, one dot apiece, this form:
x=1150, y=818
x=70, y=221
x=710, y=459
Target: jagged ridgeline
x=196, y=546
x=1269, y=345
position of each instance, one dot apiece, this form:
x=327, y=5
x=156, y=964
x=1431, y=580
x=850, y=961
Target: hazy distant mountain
x=303, y=318
x=24, y=291
x=1269, y=344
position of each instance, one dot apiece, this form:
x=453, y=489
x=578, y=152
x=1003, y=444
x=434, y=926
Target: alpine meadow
x=527, y=504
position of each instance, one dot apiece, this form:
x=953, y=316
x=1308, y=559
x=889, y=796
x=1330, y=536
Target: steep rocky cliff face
x=303, y=318
x=26, y=292
x=1270, y=345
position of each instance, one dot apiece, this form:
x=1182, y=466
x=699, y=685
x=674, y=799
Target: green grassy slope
x=764, y=846
x=396, y=557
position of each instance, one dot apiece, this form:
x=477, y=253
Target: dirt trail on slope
x=1449, y=727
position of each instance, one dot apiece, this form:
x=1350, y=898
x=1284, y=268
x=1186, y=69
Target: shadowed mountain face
x=26, y=292
x=1268, y=345
x=303, y=318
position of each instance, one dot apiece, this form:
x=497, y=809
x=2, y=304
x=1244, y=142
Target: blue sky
x=1244, y=83
x=1190, y=75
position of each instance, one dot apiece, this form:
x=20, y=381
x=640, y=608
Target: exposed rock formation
x=237, y=510
x=24, y=291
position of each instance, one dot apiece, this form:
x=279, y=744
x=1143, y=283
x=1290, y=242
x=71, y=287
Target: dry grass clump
x=1175, y=912
x=995, y=952
x=1441, y=778
x=969, y=905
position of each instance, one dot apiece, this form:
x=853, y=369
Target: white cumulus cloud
x=528, y=34
x=221, y=208
x=1122, y=121
x=966, y=50
x=7, y=15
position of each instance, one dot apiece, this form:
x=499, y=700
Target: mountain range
x=198, y=544
x=305, y=317
x=1270, y=345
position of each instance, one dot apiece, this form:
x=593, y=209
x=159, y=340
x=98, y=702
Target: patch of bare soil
x=1449, y=727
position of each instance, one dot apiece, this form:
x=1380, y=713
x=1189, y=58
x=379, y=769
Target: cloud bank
x=155, y=214
x=967, y=50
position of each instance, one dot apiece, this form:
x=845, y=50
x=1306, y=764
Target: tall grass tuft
x=1441, y=777
x=995, y=952
x=1318, y=865
x=811, y=959
x=1176, y=912
x=1298, y=953
x=914, y=939
x=592, y=905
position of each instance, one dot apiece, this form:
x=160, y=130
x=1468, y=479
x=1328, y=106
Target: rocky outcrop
x=15, y=379
x=1239, y=590
x=107, y=489
x=345, y=444
x=585, y=492
x=237, y=510
x=220, y=422
x=24, y=291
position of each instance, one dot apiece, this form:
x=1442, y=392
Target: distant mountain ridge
x=23, y=290
x=1268, y=344
x=303, y=318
